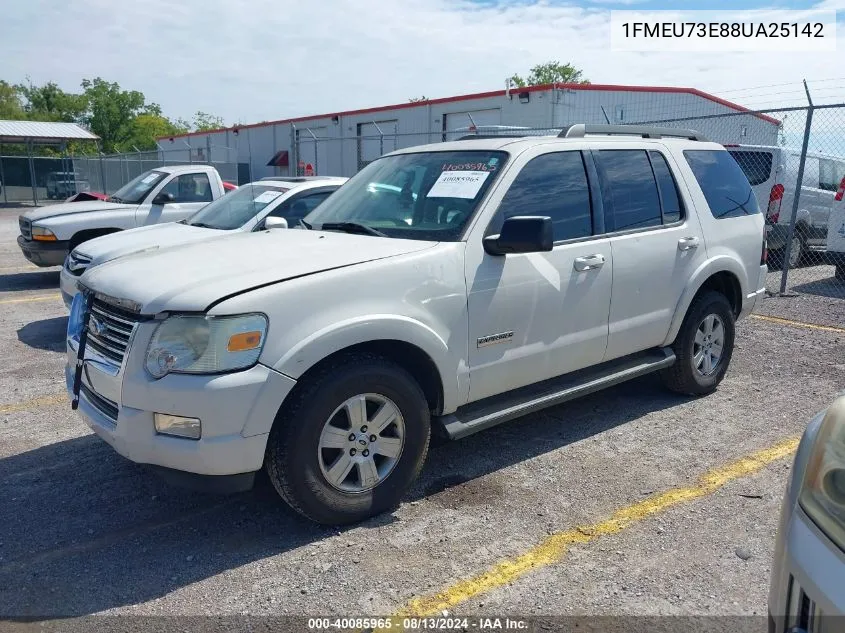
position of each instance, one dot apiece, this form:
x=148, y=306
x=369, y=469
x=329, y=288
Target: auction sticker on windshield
x=148, y=179
x=267, y=197
x=458, y=184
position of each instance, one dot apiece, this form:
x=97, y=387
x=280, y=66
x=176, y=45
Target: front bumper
x=44, y=254
x=236, y=410
x=808, y=571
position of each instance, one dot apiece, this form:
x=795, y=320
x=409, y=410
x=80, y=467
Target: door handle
x=590, y=262
x=687, y=243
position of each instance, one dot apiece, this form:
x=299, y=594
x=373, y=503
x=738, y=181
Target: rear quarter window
x=724, y=184
x=757, y=166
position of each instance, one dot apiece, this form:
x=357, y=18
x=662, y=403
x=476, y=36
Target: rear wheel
x=350, y=442
x=703, y=347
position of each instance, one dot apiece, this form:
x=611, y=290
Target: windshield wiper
x=305, y=224
x=351, y=227
x=203, y=225
x=115, y=199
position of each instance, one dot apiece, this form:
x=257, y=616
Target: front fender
x=718, y=264
x=377, y=327
x=64, y=227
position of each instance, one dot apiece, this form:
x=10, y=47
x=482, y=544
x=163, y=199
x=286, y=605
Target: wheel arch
x=407, y=342
x=89, y=234
x=724, y=275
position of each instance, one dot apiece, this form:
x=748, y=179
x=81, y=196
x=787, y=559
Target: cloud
x=266, y=60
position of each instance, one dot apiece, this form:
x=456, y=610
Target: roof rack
x=580, y=130
x=473, y=137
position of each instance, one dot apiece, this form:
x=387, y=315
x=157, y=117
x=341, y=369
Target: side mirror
x=275, y=222
x=163, y=198
x=522, y=234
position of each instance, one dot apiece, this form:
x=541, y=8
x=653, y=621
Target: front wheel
x=703, y=347
x=351, y=441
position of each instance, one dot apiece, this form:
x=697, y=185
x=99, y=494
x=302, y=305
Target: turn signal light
x=244, y=341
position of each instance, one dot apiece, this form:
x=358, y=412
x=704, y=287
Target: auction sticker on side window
x=458, y=184
x=267, y=197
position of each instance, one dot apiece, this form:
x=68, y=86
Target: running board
x=477, y=416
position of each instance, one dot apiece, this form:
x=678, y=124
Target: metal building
x=340, y=143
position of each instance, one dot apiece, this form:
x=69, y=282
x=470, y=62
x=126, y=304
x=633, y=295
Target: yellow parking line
x=33, y=404
x=31, y=299
x=554, y=548
x=809, y=326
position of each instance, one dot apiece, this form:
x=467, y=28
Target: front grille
x=109, y=330
x=103, y=405
x=26, y=227
x=77, y=263
x=803, y=614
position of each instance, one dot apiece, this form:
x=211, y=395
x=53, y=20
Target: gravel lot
x=87, y=532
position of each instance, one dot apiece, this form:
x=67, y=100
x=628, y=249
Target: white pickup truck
x=163, y=194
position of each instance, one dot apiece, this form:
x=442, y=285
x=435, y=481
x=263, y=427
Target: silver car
x=808, y=573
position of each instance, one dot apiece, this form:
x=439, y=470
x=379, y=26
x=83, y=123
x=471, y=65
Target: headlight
x=823, y=490
x=206, y=344
x=41, y=234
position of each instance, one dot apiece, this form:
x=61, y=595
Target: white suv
x=453, y=286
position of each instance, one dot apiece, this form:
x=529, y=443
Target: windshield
x=137, y=189
x=236, y=208
x=425, y=196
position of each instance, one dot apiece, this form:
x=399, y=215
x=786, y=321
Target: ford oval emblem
x=98, y=327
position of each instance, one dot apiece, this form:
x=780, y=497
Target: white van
x=773, y=174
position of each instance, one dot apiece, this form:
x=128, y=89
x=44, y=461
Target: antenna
x=604, y=112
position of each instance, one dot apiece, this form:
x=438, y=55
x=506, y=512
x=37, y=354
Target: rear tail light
x=841, y=193
x=775, y=199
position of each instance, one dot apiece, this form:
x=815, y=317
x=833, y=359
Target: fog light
x=178, y=426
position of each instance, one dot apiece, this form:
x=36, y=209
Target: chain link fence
x=38, y=180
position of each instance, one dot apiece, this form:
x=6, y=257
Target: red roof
x=493, y=93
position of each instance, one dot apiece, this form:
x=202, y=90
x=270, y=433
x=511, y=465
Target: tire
x=798, y=250
x=299, y=469
x=685, y=376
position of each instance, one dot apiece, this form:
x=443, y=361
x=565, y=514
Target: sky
x=272, y=59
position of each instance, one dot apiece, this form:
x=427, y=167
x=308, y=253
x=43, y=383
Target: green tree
x=550, y=73
x=204, y=121
x=146, y=127
x=51, y=103
x=11, y=107
x=111, y=112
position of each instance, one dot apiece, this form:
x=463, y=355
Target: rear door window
x=831, y=173
x=669, y=197
x=724, y=184
x=757, y=166
x=629, y=189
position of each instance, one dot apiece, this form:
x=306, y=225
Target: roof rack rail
x=580, y=130
x=471, y=137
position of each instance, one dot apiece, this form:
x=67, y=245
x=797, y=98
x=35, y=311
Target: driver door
x=190, y=191
x=534, y=316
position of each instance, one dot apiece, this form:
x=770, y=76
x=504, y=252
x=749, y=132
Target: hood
x=68, y=208
x=193, y=276
x=145, y=238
